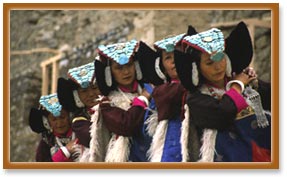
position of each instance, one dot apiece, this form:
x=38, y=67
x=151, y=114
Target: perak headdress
x=121, y=53
x=82, y=75
x=38, y=118
x=51, y=104
x=78, y=77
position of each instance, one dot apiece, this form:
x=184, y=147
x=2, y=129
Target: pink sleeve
x=60, y=157
x=237, y=99
x=138, y=102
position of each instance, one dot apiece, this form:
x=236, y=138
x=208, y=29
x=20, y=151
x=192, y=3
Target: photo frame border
x=274, y=7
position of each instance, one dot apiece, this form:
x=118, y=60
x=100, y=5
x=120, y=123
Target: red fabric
x=260, y=154
x=237, y=98
x=168, y=100
x=59, y=156
x=138, y=102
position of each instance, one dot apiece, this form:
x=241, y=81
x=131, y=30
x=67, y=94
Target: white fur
x=208, y=140
x=85, y=155
x=118, y=149
x=207, y=149
x=152, y=123
x=119, y=146
x=156, y=148
x=184, y=135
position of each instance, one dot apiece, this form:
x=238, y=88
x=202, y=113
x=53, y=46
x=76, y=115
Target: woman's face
x=60, y=124
x=168, y=64
x=89, y=95
x=124, y=74
x=213, y=71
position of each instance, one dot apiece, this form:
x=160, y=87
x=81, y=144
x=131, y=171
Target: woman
x=58, y=143
x=230, y=129
x=126, y=100
x=169, y=126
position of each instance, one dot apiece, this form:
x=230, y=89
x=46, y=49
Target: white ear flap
x=194, y=74
x=138, y=70
x=158, y=71
x=108, y=76
x=228, y=66
x=77, y=99
x=46, y=124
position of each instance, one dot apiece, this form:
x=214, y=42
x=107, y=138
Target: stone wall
x=80, y=32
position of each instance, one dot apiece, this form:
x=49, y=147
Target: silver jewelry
x=228, y=85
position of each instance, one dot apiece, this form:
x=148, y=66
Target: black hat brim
x=36, y=120
x=183, y=65
x=238, y=46
x=100, y=77
x=65, y=90
x=147, y=57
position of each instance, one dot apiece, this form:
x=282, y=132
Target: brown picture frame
x=274, y=164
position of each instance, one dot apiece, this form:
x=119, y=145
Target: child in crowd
x=80, y=95
x=58, y=143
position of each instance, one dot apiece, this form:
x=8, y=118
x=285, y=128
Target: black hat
x=238, y=46
x=65, y=94
x=36, y=120
x=150, y=60
x=99, y=75
x=147, y=58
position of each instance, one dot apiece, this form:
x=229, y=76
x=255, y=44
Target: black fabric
x=35, y=120
x=264, y=89
x=238, y=46
x=100, y=77
x=191, y=30
x=43, y=153
x=183, y=65
x=65, y=90
x=208, y=112
x=146, y=57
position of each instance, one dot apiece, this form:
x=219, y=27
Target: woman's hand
x=245, y=78
x=147, y=91
x=70, y=145
x=250, y=72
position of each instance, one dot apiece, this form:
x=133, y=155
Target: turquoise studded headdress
x=119, y=52
x=51, y=104
x=82, y=75
x=168, y=44
x=211, y=42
